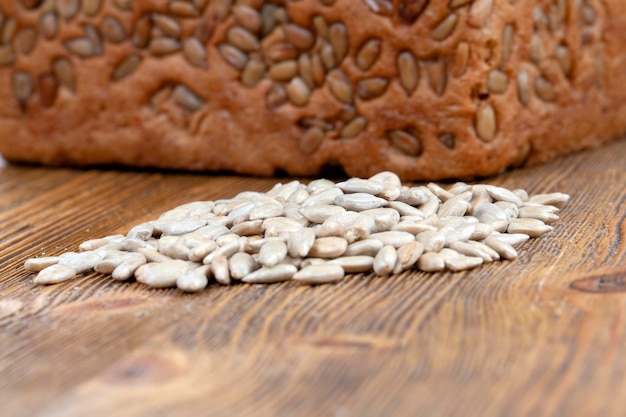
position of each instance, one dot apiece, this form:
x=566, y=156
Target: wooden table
x=540, y=336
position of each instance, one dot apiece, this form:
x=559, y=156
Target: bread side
x=428, y=89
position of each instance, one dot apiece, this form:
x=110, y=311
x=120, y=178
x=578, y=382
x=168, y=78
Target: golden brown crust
x=429, y=89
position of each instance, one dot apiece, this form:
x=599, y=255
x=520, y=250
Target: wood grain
x=540, y=336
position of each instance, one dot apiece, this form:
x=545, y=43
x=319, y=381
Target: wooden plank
x=511, y=338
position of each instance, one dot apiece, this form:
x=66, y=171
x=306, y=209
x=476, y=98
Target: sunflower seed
x=468, y=249
x=241, y=264
x=359, y=201
x=432, y=240
x=461, y=263
x=512, y=239
x=371, y=88
x=198, y=253
x=530, y=227
x=564, y=58
x=25, y=40
x=7, y=56
x=497, y=82
x=393, y=238
x=219, y=270
x=160, y=47
x=352, y=129
x=68, y=8
x=126, y=67
x=127, y=268
x=186, y=98
x=338, y=37
x=55, y=274
x=182, y=8
x=328, y=247
x=276, y=96
x=248, y=17
x=553, y=199
x=354, y=264
x=368, y=54
x=194, y=280
x=339, y=85
x=278, y=273
x=112, y=30
x=505, y=250
x=488, y=212
x=235, y=57
x=91, y=7
x=431, y=262
x=408, y=71
x=141, y=35
x=242, y=39
x=544, y=89
x=319, y=274
x=22, y=87
x=320, y=213
x=272, y=253
x=486, y=124
x=405, y=141
x=408, y=254
x=299, y=36
x=38, y=264
x=385, y=260
x=508, y=33
x=311, y=140
x=444, y=28
x=161, y=275
x=523, y=87
x=298, y=91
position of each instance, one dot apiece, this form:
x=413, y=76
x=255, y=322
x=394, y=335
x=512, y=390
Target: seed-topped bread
x=428, y=89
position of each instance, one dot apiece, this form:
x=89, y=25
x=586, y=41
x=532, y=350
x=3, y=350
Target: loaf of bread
x=429, y=89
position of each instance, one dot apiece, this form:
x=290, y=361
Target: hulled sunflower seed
x=461, y=263
x=371, y=88
x=112, y=30
x=328, y=247
x=242, y=264
x=408, y=254
x=126, y=67
x=55, y=274
x=319, y=274
x=354, y=264
x=405, y=141
x=233, y=56
x=161, y=275
x=278, y=273
x=38, y=264
x=431, y=262
x=486, y=124
x=338, y=37
x=193, y=281
x=530, y=227
x=195, y=52
x=311, y=140
x=359, y=201
x=298, y=91
x=219, y=270
x=299, y=36
x=408, y=71
x=444, y=28
x=368, y=54
x=385, y=260
x=505, y=250
x=523, y=87
x=497, y=82
x=461, y=59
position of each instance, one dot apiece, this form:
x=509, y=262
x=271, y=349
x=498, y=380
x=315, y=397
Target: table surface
x=543, y=335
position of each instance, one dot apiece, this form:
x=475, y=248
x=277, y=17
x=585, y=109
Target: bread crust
x=191, y=109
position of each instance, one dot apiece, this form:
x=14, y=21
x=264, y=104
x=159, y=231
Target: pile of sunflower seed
x=316, y=233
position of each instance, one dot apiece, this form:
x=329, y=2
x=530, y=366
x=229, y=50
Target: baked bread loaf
x=430, y=89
